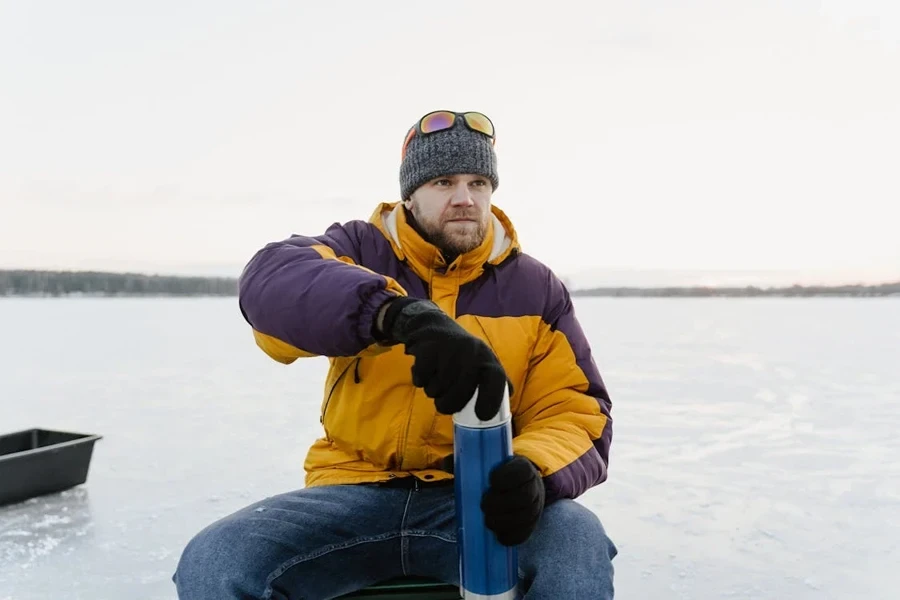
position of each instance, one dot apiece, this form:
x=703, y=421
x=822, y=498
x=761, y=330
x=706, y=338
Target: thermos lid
x=467, y=418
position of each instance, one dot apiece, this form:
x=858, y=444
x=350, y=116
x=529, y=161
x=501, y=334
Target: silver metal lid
x=467, y=418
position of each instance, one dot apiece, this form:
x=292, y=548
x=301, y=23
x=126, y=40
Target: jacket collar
x=425, y=259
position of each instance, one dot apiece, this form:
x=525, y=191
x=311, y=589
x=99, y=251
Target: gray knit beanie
x=452, y=151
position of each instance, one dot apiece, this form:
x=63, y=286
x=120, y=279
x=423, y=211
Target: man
x=416, y=309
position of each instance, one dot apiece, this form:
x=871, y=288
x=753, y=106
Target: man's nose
x=462, y=195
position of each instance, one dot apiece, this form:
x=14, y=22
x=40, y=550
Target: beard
x=449, y=238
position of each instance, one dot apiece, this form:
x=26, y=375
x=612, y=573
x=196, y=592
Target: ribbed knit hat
x=453, y=151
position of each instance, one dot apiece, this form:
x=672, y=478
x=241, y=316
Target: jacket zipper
x=404, y=438
x=401, y=451
x=355, y=364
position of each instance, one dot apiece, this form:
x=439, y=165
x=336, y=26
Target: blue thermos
x=488, y=570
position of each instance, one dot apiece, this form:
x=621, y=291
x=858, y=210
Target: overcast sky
x=181, y=136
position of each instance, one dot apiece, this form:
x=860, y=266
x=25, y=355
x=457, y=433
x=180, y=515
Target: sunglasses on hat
x=440, y=120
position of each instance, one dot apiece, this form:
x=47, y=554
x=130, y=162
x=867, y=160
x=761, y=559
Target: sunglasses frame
x=457, y=116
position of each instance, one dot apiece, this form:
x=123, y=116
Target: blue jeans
x=321, y=542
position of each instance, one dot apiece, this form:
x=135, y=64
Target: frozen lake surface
x=755, y=450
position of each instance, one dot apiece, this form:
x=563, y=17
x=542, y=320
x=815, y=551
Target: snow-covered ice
x=755, y=452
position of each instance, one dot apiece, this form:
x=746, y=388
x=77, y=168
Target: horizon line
x=592, y=287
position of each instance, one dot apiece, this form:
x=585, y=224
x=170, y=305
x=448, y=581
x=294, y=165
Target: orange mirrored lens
x=437, y=121
x=479, y=122
x=409, y=137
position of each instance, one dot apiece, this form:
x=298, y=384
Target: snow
x=754, y=455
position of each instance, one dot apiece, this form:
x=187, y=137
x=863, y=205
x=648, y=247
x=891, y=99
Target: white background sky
x=181, y=136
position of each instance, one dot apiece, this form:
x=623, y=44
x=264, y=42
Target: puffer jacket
x=318, y=296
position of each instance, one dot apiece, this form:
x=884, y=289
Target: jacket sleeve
x=562, y=420
x=309, y=296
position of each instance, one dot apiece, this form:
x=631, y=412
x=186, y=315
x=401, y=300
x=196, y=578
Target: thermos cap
x=467, y=417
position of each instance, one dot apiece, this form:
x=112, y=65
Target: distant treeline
x=93, y=283
x=884, y=289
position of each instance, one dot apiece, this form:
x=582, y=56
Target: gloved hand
x=450, y=363
x=513, y=503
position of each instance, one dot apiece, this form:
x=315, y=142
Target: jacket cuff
x=369, y=313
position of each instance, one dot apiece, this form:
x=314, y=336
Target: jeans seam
x=404, y=544
x=278, y=572
x=424, y=533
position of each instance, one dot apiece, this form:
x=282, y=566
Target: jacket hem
x=349, y=477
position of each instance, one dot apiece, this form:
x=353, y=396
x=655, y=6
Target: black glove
x=513, y=503
x=450, y=363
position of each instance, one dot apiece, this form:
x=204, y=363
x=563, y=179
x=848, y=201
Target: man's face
x=453, y=211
